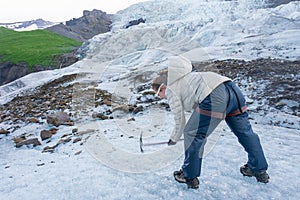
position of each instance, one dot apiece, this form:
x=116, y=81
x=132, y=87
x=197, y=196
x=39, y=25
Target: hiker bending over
x=212, y=98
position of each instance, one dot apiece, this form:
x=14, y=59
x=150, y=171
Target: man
x=212, y=98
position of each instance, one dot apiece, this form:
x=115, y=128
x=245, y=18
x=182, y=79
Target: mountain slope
x=24, y=52
x=19, y=59
x=34, y=47
x=28, y=25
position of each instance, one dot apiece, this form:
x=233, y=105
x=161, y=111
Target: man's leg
x=196, y=131
x=241, y=127
x=206, y=117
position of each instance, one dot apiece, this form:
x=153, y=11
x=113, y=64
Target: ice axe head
x=141, y=143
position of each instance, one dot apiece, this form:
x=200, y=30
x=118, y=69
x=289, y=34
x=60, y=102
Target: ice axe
x=150, y=144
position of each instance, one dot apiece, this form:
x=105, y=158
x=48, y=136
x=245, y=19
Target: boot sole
x=189, y=186
x=193, y=187
x=258, y=180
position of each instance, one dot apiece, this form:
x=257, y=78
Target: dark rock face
x=135, y=22
x=10, y=72
x=90, y=24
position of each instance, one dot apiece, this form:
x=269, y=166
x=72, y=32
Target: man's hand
x=171, y=142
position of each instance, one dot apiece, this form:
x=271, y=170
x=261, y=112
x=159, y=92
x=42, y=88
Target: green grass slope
x=38, y=47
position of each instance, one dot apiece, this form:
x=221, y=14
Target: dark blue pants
x=225, y=99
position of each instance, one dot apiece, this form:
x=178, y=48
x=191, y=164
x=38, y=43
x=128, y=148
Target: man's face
x=161, y=91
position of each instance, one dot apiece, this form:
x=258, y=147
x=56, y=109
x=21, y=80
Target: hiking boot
x=260, y=176
x=179, y=176
x=191, y=183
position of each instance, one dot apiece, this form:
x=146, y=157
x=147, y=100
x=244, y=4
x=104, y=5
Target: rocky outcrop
x=11, y=71
x=135, y=22
x=90, y=24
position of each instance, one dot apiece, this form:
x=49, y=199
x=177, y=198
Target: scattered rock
x=48, y=149
x=33, y=120
x=131, y=119
x=123, y=108
x=100, y=116
x=4, y=132
x=19, y=139
x=45, y=134
x=85, y=132
x=62, y=141
x=138, y=109
x=280, y=103
x=77, y=140
x=65, y=135
x=32, y=141
x=151, y=92
x=77, y=153
x=107, y=102
x=53, y=130
x=74, y=130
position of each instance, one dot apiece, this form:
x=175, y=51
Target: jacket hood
x=178, y=67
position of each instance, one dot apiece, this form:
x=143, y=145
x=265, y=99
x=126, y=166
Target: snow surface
x=110, y=165
x=27, y=25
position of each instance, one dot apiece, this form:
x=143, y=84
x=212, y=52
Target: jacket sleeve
x=179, y=117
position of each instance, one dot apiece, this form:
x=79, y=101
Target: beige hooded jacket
x=186, y=88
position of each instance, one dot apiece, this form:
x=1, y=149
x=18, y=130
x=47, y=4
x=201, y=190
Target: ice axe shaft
x=150, y=144
x=155, y=143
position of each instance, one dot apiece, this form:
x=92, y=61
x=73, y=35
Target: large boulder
x=59, y=118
